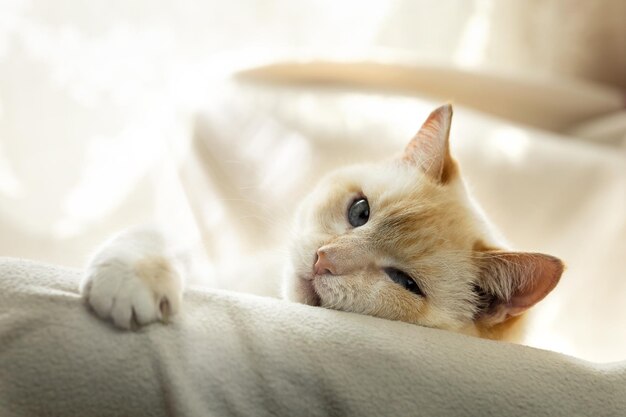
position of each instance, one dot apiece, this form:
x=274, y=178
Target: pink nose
x=323, y=265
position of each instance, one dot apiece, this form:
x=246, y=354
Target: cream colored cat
x=400, y=240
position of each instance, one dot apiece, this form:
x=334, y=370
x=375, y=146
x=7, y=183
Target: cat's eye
x=359, y=212
x=403, y=279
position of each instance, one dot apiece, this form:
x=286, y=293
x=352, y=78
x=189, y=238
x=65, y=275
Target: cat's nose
x=323, y=264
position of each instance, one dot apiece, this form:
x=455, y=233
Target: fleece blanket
x=231, y=354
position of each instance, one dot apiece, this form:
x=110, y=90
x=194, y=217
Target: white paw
x=132, y=292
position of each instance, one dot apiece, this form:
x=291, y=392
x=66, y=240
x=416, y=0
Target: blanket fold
x=230, y=354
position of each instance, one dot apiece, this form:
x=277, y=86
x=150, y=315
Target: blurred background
x=212, y=119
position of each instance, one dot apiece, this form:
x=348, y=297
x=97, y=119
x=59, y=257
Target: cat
x=399, y=239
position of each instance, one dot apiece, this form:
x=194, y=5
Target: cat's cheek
x=302, y=255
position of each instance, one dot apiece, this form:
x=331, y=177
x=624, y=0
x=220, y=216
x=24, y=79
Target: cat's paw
x=133, y=293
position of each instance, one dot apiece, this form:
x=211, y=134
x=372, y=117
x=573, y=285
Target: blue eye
x=403, y=279
x=359, y=212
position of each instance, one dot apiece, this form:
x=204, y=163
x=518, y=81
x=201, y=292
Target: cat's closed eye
x=403, y=279
x=359, y=212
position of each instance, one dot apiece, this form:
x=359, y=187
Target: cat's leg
x=133, y=279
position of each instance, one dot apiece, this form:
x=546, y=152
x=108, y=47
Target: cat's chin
x=305, y=292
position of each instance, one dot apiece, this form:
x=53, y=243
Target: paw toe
x=130, y=294
x=144, y=307
x=122, y=313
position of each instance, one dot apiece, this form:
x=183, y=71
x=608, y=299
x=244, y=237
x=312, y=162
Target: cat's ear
x=429, y=150
x=512, y=282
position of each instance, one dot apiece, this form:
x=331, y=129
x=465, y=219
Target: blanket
x=230, y=354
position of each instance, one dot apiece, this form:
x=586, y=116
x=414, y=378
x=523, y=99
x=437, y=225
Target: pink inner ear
x=534, y=275
x=429, y=148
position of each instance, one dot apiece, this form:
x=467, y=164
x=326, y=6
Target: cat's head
x=402, y=240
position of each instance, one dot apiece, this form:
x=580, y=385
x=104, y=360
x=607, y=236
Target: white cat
x=398, y=239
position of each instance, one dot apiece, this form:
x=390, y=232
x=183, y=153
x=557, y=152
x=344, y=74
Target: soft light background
x=117, y=113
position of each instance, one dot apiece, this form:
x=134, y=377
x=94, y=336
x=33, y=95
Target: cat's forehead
x=388, y=180
x=415, y=224
x=408, y=212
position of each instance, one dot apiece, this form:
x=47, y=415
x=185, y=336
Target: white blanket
x=240, y=355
